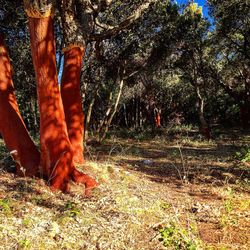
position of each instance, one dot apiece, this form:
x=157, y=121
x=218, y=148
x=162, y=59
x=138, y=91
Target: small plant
x=165, y=205
x=243, y=155
x=27, y=222
x=228, y=205
x=5, y=206
x=177, y=237
x=38, y=200
x=24, y=244
x=73, y=211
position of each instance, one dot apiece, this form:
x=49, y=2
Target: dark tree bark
x=242, y=99
x=112, y=109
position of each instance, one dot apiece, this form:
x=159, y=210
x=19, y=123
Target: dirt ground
x=167, y=192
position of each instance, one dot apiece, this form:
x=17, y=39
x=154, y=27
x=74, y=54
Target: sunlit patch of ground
x=183, y=193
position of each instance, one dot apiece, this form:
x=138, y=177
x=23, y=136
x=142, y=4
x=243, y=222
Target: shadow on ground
x=180, y=161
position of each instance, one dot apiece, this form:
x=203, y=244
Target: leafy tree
x=58, y=136
x=232, y=51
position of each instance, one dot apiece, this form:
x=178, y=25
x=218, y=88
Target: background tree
x=233, y=51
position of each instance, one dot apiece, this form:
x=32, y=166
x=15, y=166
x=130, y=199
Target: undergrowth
x=243, y=154
x=175, y=192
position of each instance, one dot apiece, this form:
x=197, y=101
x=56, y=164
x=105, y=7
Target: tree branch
x=112, y=31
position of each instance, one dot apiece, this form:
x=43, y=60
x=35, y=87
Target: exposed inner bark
x=157, y=115
x=56, y=152
x=12, y=127
x=72, y=100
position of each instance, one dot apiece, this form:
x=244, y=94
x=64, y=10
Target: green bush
x=177, y=237
x=244, y=154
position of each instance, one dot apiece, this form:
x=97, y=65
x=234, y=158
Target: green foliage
x=193, y=9
x=137, y=134
x=181, y=129
x=228, y=204
x=165, y=53
x=165, y=205
x=243, y=155
x=24, y=244
x=27, y=222
x=177, y=237
x=5, y=206
x=71, y=209
x=39, y=200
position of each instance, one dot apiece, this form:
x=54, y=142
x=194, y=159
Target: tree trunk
x=244, y=114
x=104, y=120
x=12, y=127
x=125, y=115
x=72, y=100
x=157, y=116
x=245, y=110
x=136, y=112
x=89, y=113
x=204, y=126
x=111, y=116
x=140, y=113
x=56, y=150
x=240, y=98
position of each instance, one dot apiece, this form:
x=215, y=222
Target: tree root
x=85, y=179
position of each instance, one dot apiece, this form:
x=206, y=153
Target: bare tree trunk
x=203, y=123
x=12, y=127
x=103, y=121
x=88, y=117
x=140, y=113
x=110, y=116
x=125, y=115
x=136, y=113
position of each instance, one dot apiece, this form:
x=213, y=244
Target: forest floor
x=172, y=191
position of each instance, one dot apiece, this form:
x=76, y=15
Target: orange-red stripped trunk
x=56, y=152
x=158, y=120
x=12, y=127
x=72, y=101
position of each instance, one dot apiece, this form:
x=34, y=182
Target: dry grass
x=120, y=215
x=189, y=192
